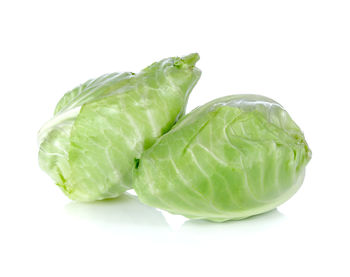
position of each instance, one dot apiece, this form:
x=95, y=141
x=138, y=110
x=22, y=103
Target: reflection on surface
x=257, y=219
x=252, y=224
x=126, y=210
x=127, y=215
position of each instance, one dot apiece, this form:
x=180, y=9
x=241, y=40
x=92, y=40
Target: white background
x=296, y=52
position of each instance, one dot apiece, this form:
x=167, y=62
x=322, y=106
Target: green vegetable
x=232, y=158
x=100, y=128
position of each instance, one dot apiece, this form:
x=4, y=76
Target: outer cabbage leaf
x=232, y=158
x=101, y=127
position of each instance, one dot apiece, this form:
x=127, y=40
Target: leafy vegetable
x=101, y=127
x=232, y=158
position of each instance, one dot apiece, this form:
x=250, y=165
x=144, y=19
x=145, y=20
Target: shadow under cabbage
x=127, y=214
x=253, y=223
x=126, y=210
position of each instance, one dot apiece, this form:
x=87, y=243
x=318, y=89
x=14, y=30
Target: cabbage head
x=234, y=157
x=101, y=127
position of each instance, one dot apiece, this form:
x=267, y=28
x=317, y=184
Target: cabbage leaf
x=101, y=127
x=232, y=158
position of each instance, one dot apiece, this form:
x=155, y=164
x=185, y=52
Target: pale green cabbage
x=100, y=128
x=232, y=158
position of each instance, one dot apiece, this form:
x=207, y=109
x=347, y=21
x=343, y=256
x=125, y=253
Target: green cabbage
x=232, y=158
x=101, y=127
